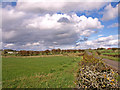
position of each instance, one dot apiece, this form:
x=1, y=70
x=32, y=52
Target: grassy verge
x=114, y=53
x=111, y=58
x=39, y=72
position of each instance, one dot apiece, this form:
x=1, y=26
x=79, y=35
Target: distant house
x=10, y=52
x=109, y=48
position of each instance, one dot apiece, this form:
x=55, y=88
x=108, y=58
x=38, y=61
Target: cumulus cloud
x=110, y=12
x=42, y=31
x=1, y=45
x=9, y=34
x=113, y=25
x=100, y=35
x=51, y=7
x=38, y=26
x=9, y=45
x=0, y=38
x=64, y=20
x=104, y=42
x=64, y=25
x=10, y=15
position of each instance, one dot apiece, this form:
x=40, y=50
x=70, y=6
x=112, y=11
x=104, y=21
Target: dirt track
x=114, y=64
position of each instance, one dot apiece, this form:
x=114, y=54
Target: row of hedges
x=93, y=73
x=112, y=55
x=46, y=52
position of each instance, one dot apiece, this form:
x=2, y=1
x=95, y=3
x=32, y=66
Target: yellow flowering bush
x=93, y=73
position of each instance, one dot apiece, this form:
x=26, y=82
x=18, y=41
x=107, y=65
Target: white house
x=10, y=52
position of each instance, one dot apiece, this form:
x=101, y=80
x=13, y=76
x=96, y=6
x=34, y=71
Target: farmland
x=110, y=54
x=59, y=69
x=39, y=72
x=111, y=58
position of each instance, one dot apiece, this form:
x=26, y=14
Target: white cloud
x=113, y=25
x=36, y=43
x=63, y=29
x=110, y=12
x=45, y=22
x=45, y=7
x=104, y=42
x=88, y=23
x=11, y=21
x=81, y=25
x=67, y=1
x=37, y=26
x=100, y=35
x=8, y=34
x=9, y=45
x=87, y=32
x=105, y=38
x=113, y=42
x=0, y=45
x=0, y=34
x=32, y=44
x=9, y=15
x=28, y=44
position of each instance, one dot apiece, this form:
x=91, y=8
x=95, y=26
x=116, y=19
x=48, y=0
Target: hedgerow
x=93, y=73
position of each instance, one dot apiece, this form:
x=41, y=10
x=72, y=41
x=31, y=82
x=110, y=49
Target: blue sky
x=32, y=26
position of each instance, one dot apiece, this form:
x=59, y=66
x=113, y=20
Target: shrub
x=93, y=73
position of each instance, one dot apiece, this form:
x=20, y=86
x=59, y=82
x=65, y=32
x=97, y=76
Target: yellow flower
x=112, y=80
x=112, y=72
x=103, y=85
x=81, y=71
x=111, y=83
x=107, y=78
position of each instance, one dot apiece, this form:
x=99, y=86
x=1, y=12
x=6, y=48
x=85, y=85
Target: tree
x=47, y=52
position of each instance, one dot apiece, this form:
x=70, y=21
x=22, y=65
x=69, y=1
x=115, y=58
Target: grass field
x=111, y=58
x=114, y=53
x=104, y=54
x=39, y=72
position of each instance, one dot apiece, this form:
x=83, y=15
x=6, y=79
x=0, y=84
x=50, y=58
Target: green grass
x=39, y=72
x=104, y=51
x=112, y=58
x=0, y=73
x=114, y=53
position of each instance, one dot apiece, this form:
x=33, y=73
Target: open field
x=114, y=53
x=109, y=54
x=66, y=70
x=39, y=72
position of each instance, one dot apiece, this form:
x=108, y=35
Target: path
x=114, y=64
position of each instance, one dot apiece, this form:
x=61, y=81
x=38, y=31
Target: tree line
x=46, y=52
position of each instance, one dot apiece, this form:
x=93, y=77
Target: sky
x=64, y=25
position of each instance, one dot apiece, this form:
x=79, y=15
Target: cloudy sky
x=66, y=25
